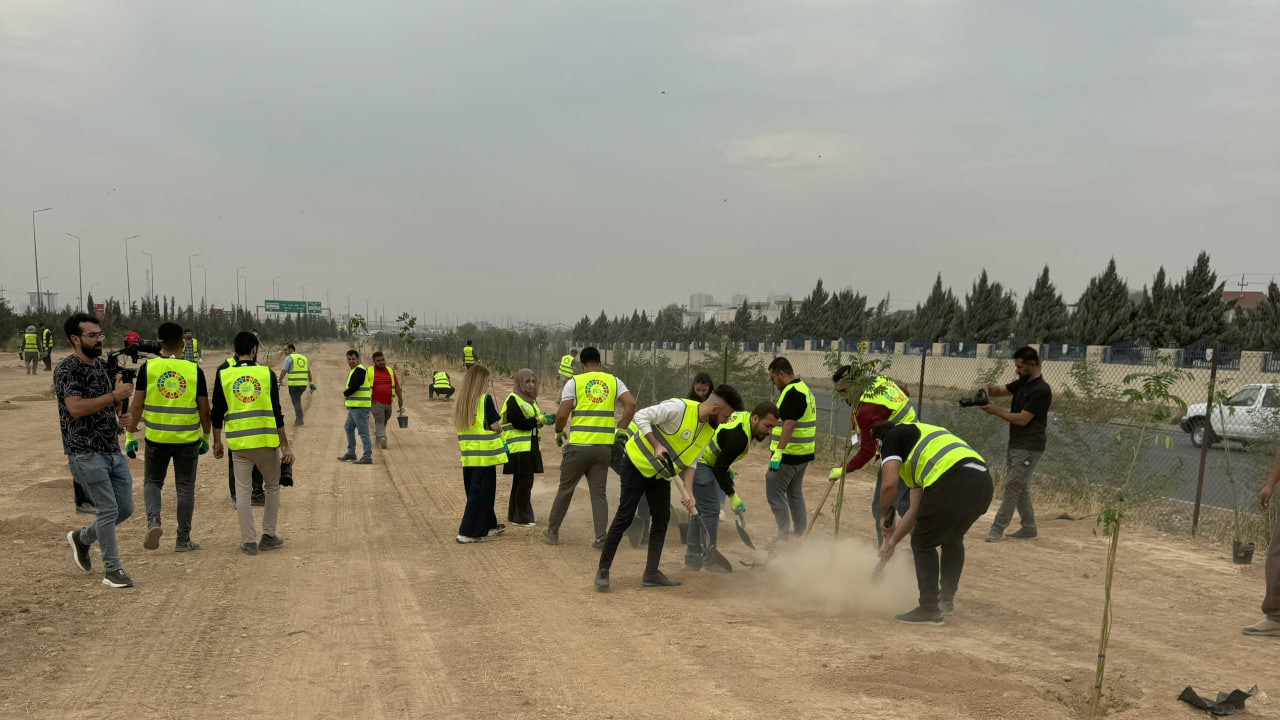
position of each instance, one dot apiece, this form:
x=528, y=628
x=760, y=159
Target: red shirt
x=867, y=415
x=382, y=385
x=130, y=338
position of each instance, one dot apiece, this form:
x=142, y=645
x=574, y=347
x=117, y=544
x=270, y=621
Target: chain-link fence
x=1198, y=472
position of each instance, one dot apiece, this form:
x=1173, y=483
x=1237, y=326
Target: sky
x=511, y=160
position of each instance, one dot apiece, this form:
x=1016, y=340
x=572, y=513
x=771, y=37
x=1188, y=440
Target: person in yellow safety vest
x=664, y=442
x=589, y=399
x=246, y=400
x=31, y=350
x=482, y=450
x=171, y=398
x=521, y=421
x=384, y=387
x=468, y=356
x=46, y=346
x=569, y=366
x=258, y=498
x=295, y=371
x=950, y=489
x=440, y=385
x=359, y=398
x=714, y=474
x=878, y=398
x=191, y=348
x=791, y=449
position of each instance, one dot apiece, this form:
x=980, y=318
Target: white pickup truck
x=1250, y=413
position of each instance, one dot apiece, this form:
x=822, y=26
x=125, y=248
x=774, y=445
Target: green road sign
x=310, y=307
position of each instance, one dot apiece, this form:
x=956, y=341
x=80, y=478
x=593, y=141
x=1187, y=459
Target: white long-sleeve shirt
x=667, y=416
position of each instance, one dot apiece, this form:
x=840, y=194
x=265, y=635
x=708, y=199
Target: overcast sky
x=550, y=158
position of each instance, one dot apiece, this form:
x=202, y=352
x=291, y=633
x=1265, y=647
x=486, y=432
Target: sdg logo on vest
x=246, y=389
x=171, y=385
x=597, y=391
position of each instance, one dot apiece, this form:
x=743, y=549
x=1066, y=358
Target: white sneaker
x=466, y=540
x=1266, y=626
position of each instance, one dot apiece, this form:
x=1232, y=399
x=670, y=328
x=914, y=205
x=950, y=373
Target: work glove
x=131, y=445
x=775, y=460
x=620, y=434
x=312, y=386
x=506, y=449
x=204, y=444
x=736, y=504
x=560, y=439
x=547, y=419
x=835, y=473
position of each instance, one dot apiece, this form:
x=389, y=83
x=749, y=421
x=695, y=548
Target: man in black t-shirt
x=1028, y=421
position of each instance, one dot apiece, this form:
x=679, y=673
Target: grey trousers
x=295, y=394
x=267, y=460
x=381, y=414
x=31, y=361
x=593, y=462
x=784, y=489
x=1017, y=491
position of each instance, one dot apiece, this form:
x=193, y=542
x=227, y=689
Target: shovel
x=704, y=536
x=740, y=523
x=831, y=484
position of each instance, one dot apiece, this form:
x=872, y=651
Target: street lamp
x=191, y=288
x=128, y=284
x=35, y=249
x=151, y=289
x=275, y=289
x=303, y=288
x=80, y=268
x=238, y=276
x=204, y=295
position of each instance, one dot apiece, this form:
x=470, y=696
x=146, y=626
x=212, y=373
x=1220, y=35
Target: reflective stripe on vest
x=363, y=396
x=566, y=366
x=48, y=339
x=683, y=448
x=297, y=375
x=169, y=410
x=519, y=441
x=468, y=355
x=936, y=452
x=30, y=342
x=250, y=421
x=739, y=423
x=884, y=392
x=440, y=381
x=802, y=438
x=591, y=420
x=480, y=446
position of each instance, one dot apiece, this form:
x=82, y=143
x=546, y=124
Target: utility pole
x=80, y=268
x=35, y=249
x=191, y=288
x=204, y=296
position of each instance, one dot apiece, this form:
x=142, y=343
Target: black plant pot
x=1241, y=553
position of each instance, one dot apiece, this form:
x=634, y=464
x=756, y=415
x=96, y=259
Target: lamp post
x=80, y=269
x=204, y=294
x=238, y=277
x=191, y=287
x=35, y=249
x=275, y=289
x=128, y=284
x=303, y=288
x=151, y=287
x=328, y=303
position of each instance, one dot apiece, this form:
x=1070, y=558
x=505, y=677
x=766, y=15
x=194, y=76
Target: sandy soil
x=372, y=611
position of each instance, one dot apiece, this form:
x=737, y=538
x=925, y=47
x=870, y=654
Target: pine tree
x=740, y=329
x=813, y=313
x=600, y=328
x=1104, y=309
x=1044, y=314
x=1157, y=314
x=1259, y=327
x=669, y=324
x=788, y=324
x=848, y=315
x=1202, y=314
x=988, y=315
x=934, y=319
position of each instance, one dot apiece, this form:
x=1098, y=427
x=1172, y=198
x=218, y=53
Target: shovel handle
x=684, y=494
x=844, y=469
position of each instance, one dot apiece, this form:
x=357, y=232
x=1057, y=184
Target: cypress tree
x=1044, y=314
x=1104, y=309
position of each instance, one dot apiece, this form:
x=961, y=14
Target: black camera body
x=978, y=400
x=129, y=375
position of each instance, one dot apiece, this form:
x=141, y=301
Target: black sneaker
x=346, y=457
x=186, y=546
x=117, y=579
x=363, y=461
x=80, y=551
x=947, y=607
x=657, y=579
x=920, y=616
x=269, y=542
x=257, y=500
x=86, y=509
x=249, y=548
x=550, y=538
x=602, y=580
x=598, y=544
x=1023, y=534
x=154, y=532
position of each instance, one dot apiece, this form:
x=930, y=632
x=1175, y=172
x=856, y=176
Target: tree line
x=1165, y=313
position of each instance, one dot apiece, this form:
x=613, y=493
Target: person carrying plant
x=1270, y=624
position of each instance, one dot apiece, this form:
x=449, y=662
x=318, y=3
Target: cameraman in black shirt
x=1028, y=420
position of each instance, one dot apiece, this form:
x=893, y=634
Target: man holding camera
x=1028, y=421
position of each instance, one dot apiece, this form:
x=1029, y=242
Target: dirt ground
x=372, y=611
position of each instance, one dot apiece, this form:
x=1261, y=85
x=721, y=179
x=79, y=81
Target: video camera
x=978, y=400
x=129, y=375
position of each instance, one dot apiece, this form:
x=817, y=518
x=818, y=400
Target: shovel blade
x=741, y=525
x=709, y=550
x=877, y=575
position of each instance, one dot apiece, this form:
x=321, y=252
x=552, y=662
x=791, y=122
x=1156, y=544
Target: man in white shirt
x=589, y=399
x=663, y=442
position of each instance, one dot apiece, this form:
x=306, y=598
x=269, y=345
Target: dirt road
x=372, y=611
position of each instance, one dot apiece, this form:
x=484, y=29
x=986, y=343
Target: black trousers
x=949, y=508
x=434, y=391
x=635, y=486
x=231, y=474
x=519, y=505
x=481, y=486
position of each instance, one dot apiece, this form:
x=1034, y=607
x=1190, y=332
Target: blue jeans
x=358, y=420
x=706, y=496
x=106, y=478
x=901, y=503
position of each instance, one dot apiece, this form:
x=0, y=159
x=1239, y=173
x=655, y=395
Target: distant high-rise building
x=737, y=300
x=700, y=300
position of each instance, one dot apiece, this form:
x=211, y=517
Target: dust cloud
x=833, y=576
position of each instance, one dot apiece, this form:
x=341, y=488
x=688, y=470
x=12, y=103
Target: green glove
x=131, y=445
x=312, y=386
x=736, y=504
x=204, y=444
x=835, y=473
x=560, y=439
x=548, y=419
x=505, y=448
x=619, y=434
x=775, y=460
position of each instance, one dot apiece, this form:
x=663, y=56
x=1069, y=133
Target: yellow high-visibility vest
x=739, y=423
x=440, y=381
x=683, y=447
x=591, y=421
x=297, y=375
x=519, y=441
x=480, y=446
x=566, y=366
x=802, y=438
x=884, y=392
x=468, y=356
x=169, y=410
x=250, y=421
x=30, y=342
x=936, y=452
x=363, y=396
